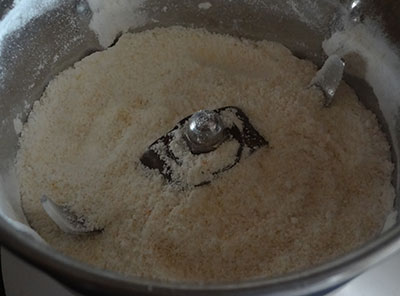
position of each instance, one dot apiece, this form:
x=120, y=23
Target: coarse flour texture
x=321, y=188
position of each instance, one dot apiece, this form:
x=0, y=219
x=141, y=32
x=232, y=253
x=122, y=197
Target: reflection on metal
x=205, y=131
x=65, y=219
x=328, y=77
x=356, y=15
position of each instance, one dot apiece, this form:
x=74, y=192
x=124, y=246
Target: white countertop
x=383, y=280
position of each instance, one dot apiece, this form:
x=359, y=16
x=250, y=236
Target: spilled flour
x=321, y=188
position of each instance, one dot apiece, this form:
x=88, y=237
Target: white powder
x=321, y=188
x=23, y=12
x=196, y=169
x=382, y=62
x=382, y=65
x=17, y=121
x=205, y=5
x=17, y=124
x=113, y=17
